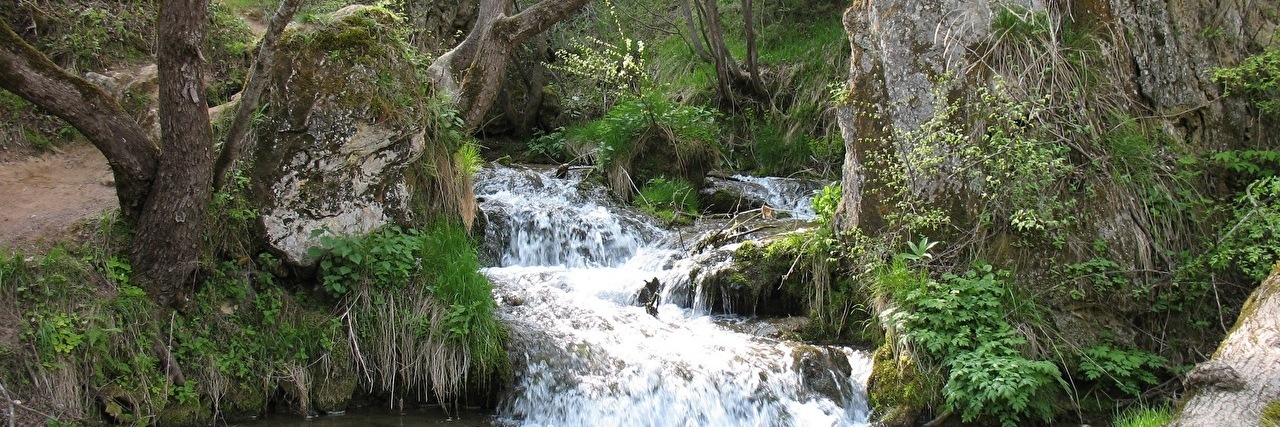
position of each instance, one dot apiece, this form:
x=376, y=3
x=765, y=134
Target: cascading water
x=569, y=264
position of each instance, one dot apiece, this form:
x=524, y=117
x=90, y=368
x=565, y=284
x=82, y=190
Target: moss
x=244, y=400
x=897, y=391
x=1270, y=415
x=335, y=380
x=184, y=414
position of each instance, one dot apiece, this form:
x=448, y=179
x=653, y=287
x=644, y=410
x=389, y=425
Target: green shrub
x=1257, y=78
x=383, y=259
x=671, y=200
x=825, y=203
x=997, y=383
x=1129, y=370
x=439, y=263
x=1248, y=245
x=961, y=324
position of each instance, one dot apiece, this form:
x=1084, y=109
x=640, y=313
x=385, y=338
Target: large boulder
x=347, y=123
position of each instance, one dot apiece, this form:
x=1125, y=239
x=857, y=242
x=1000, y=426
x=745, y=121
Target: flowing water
x=568, y=265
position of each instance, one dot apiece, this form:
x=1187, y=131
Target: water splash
x=790, y=195
x=586, y=355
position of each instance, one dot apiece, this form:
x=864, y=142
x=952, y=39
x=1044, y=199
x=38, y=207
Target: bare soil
x=43, y=196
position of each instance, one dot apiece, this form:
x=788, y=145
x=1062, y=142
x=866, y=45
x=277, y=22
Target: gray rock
x=343, y=134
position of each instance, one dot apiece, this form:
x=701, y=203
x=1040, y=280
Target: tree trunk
x=533, y=103
x=252, y=94
x=166, y=248
x=753, y=55
x=490, y=45
x=29, y=74
x=696, y=37
x=1243, y=377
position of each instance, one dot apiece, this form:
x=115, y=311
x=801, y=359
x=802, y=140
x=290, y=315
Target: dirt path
x=42, y=197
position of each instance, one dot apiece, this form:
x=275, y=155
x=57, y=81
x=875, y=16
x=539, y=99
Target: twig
x=9, y=401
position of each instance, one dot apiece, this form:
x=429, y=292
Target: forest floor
x=43, y=196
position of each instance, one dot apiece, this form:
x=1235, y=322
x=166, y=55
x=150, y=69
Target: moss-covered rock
x=756, y=282
x=824, y=370
x=184, y=414
x=347, y=122
x=897, y=391
x=243, y=401
x=334, y=380
x=1270, y=415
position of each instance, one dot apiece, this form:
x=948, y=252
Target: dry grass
x=397, y=350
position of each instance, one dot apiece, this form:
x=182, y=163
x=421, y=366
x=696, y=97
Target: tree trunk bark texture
x=1243, y=377
x=166, y=248
x=29, y=74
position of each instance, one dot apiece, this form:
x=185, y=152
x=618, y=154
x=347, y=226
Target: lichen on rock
x=346, y=124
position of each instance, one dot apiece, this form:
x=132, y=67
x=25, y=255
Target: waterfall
x=568, y=265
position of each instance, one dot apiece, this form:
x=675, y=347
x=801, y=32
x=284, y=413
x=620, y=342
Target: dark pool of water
x=374, y=417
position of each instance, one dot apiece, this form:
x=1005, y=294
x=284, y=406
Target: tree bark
x=696, y=37
x=489, y=46
x=252, y=94
x=132, y=155
x=753, y=55
x=166, y=248
x=1243, y=377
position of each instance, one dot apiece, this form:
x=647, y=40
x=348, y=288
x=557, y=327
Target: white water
x=570, y=265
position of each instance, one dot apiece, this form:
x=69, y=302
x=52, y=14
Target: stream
x=569, y=264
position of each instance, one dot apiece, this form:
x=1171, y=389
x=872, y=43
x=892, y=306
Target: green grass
x=1143, y=416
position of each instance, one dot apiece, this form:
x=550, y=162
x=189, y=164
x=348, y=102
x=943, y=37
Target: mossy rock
x=896, y=389
x=347, y=143
x=727, y=200
x=1270, y=415
x=334, y=380
x=188, y=414
x=242, y=402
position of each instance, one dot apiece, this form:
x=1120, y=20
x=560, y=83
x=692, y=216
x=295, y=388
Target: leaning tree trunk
x=1243, y=377
x=166, y=248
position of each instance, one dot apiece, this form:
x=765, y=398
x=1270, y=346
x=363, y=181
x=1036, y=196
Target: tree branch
x=495, y=35
x=132, y=155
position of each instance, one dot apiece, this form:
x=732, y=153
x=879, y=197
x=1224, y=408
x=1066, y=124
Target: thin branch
x=252, y=94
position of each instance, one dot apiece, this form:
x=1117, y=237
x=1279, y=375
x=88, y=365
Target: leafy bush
x=1003, y=155
x=1128, y=370
x=620, y=133
x=995, y=382
x=825, y=203
x=961, y=324
x=440, y=261
x=381, y=260
x=685, y=137
x=550, y=146
x=1248, y=245
x=1257, y=77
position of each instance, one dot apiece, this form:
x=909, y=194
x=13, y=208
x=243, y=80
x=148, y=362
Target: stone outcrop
x=341, y=148
x=1240, y=385
x=1147, y=61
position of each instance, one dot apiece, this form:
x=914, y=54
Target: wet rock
x=824, y=370
x=727, y=200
